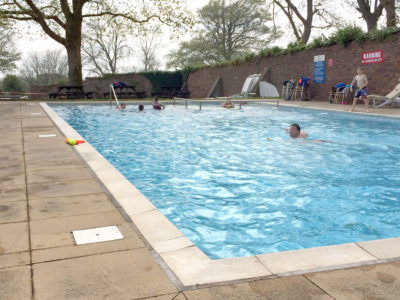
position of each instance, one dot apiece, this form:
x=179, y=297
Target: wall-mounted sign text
x=319, y=69
x=372, y=57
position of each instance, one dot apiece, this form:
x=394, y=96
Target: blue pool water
x=234, y=193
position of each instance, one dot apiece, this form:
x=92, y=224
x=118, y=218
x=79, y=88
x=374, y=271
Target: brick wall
x=382, y=76
x=100, y=85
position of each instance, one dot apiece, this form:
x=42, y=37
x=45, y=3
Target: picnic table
x=170, y=92
x=71, y=92
x=125, y=92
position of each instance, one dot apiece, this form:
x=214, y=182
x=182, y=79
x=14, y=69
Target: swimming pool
x=215, y=175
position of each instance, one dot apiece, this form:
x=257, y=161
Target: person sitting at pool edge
x=141, y=107
x=295, y=131
x=157, y=105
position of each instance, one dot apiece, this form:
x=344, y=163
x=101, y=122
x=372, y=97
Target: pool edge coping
x=189, y=264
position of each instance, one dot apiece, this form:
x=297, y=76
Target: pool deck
x=49, y=189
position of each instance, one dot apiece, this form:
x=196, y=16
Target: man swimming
x=295, y=131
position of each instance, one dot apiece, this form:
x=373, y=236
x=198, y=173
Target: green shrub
x=294, y=47
x=12, y=83
x=381, y=35
x=348, y=34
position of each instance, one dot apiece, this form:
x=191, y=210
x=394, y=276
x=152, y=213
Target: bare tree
x=45, y=68
x=147, y=51
x=302, y=16
x=62, y=19
x=371, y=11
x=390, y=8
x=104, y=45
x=8, y=53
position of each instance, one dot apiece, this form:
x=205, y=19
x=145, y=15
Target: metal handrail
x=115, y=95
x=176, y=100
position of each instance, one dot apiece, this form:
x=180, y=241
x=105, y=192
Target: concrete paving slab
x=12, y=193
x=11, y=158
x=193, y=267
x=42, y=136
x=33, y=157
x=45, y=143
x=15, y=283
x=132, y=274
x=69, y=206
x=6, y=137
x=314, y=258
x=55, y=164
x=296, y=287
x=39, y=129
x=11, y=149
x=14, y=259
x=12, y=174
x=380, y=281
x=58, y=147
x=173, y=245
x=64, y=252
x=383, y=249
x=58, y=232
x=10, y=142
x=11, y=212
x=36, y=122
x=14, y=133
x=63, y=189
x=155, y=227
x=14, y=237
x=11, y=125
x=136, y=204
x=174, y=296
x=55, y=175
x=122, y=189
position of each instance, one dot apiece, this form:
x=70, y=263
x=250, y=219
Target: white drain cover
x=46, y=135
x=96, y=235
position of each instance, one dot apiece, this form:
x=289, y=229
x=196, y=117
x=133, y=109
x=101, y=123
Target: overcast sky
x=35, y=42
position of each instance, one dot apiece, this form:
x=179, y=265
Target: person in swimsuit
x=157, y=105
x=361, y=80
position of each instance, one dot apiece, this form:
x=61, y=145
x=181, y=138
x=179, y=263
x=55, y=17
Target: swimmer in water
x=295, y=131
x=157, y=105
x=227, y=104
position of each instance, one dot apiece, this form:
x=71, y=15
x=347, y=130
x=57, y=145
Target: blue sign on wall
x=319, y=69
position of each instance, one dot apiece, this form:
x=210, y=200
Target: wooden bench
x=126, y=92
x=71, y=92
x=170, y=92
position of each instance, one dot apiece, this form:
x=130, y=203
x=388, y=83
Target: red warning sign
x=372, y=57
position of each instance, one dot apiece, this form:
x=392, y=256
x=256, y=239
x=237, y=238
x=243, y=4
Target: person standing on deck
x=361, y=93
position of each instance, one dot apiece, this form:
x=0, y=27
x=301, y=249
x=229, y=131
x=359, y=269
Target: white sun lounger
x=390, y=98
